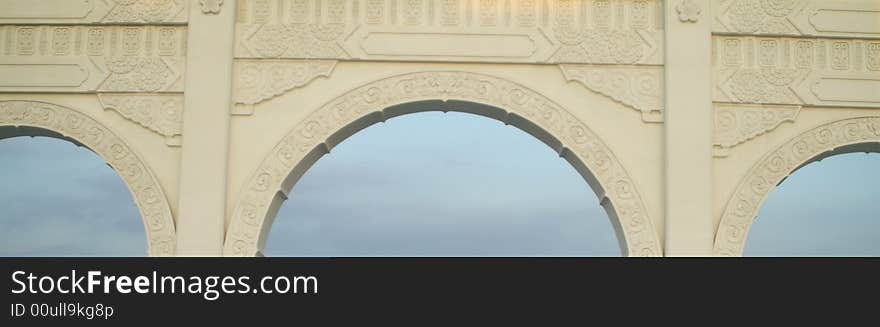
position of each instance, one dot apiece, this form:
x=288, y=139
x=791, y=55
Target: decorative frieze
x=92, y=58
x=797, y=71
x=93, y=11
x=823, y=18
x=482, y=31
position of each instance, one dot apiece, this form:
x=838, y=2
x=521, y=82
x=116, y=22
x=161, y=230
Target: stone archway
x=33, y=118
x=848, y=135
x=509, y=102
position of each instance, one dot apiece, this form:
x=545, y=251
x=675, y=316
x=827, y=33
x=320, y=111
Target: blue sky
x=426, y=184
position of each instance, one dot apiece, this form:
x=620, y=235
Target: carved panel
x=249, y=217
x=494, y=31
x=93, y=11
x=92, y=58
x=827, y=72
x=260, y=80
x=735, y=124
x=775, y=166
x=640, y=88
x=161, y=114
x=146, y=191
x=860, y=19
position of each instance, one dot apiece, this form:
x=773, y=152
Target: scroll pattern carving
x=797, y=71
x=735, y=124
x=557, y=30
x=162, y=114
x=259, y=80
x=640, y=88
x=776, y=165
x=146, y=191
x=249, y=217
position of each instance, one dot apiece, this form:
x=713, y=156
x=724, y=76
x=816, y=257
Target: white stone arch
x=514, y=104
x=35, y=118
x=861, y=134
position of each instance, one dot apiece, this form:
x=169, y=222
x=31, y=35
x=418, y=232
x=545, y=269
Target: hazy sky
x=421, y=185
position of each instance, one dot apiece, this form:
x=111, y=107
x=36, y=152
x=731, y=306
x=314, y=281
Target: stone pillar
x=688, y=125
x=202, y=208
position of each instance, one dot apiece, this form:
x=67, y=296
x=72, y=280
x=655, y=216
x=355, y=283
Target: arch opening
x=434, y=183
x=262, y=195
x=827, y=208
x=861, y=134
x=80, y=207
x=35, y=118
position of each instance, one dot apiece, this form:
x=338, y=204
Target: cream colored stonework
x=682, y=115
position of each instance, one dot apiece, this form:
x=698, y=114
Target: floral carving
x=311, y=135
x=596, y=46
x=688, y=11
x=145, y=189
x=297, y=41
x=162, y=114
x=258, y=81
x=776, y=165
x=141, y=74
x=146, y=11
x=638, y=88
x=211, y=7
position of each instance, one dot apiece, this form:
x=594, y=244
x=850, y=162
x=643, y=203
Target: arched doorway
x=441, y=184
x=861, y=134
x=34, y=118
x=492, y=97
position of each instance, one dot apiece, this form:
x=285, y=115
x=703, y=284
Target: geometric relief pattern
x=640, y=88
x=145, y=189
x=826, y=72
x=564, y=31
x=159, y=113
x=735, y=124
x=249, y=219
x=743, y=206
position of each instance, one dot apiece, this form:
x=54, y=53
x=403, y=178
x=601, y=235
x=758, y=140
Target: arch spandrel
x=146, y=192
x=831, y=138
x=515, y=104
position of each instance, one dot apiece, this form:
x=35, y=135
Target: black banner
x=54, y=291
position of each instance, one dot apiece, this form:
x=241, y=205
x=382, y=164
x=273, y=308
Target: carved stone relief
x=260, y=80
x=637, y=87
x=102, y=59
x=797, y=71
x=857, y=19
x=735, y=124
x=93, y=11
x=565, y=31
x=92, y=58
x=159, y=113
x=146, y=191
